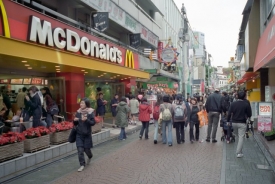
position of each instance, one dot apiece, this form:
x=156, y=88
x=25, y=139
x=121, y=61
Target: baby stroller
x=227, y=130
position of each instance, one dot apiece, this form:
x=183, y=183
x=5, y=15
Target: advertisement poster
x=265, y=109
x=264, y=123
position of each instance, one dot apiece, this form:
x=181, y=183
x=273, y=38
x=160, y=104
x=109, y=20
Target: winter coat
x=100, y=106
x=225, y=103
x=35, y=109
x=144, y=112
x=84, y=131
x=123, y=111
x=194, y=109
x=134, y=104
x=214, y=103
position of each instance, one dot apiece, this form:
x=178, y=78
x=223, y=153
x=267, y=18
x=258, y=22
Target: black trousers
x=180, y=131
x=145, y=126
x=81, y=157
x=197, y=125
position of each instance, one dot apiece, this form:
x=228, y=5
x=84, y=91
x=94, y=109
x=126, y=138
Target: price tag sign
x=264, y=123
x=265, y=109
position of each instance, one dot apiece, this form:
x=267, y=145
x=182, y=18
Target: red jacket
x=144, y=112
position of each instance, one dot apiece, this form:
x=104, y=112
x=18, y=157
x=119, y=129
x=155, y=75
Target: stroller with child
x=227, y=130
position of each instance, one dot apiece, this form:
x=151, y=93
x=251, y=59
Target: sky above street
x=220, y=21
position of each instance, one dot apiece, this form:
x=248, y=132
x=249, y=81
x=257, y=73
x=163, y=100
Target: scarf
x=85, y=111
x=33, y=94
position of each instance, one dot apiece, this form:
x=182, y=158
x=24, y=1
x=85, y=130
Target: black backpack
x=226, y=103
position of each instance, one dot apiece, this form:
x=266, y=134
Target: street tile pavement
x=140, y=161
x=244, y=170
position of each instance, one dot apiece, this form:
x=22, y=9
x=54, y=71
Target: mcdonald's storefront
x=33, y=44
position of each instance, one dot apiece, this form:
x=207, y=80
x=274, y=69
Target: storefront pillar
x=74, y=87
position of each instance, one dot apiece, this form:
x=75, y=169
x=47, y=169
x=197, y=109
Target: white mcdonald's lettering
x=42, y=32
x=129, y=59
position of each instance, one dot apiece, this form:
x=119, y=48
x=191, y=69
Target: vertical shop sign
x=5, y=20
x=129, y=59
x=264, y=123
x=160, y=48
x=135, y=40
x=265, y=109
x=101, y=21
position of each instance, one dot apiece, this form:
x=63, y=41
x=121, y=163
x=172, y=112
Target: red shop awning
x=266, y=46
x=247, y=76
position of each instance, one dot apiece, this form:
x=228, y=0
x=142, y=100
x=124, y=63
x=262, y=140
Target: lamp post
x=185, y=39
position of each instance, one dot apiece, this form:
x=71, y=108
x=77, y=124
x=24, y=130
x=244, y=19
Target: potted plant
x=36, y=139
x=11, y=145
x=60, y=132
x=270, y=135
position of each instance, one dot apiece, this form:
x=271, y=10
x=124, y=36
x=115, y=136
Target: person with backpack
x=180, y=117
x=194, y=120
x=166, y=111
x=144, y=116
x=156, y=117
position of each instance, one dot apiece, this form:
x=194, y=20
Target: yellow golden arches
x=5, y=20
x=129, y=59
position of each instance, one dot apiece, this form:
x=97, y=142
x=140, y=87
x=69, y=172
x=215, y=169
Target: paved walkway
x=135, y=161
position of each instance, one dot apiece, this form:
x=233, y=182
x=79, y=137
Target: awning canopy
x=247, y=76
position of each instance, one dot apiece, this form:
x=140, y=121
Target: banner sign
x=264, y=123
x=101, y=21
x=265, y=109
x=122, y=18
x=135, y=40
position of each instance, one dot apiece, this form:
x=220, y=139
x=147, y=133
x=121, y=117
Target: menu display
x=16, y=81
x=36, y=81
x=27, y=81
x=4, y=81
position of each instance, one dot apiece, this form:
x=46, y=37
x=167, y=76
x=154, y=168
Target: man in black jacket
x=213, y=108
x=240, y=111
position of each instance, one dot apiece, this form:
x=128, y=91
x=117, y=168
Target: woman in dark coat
x=35, y=104
x=101, y=108
x=83, y=121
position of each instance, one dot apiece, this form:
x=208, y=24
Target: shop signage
x=4, y=81
x=27, y=81
x=37, y=81
x=124, y=19
x=16, y=81
x=5, y=20
x=135, y=40
x=265, y=109
x=152, y=85
x=129, y=59
x=42, y=32
x=264, y=123
x=168, y=55
x=101, y=21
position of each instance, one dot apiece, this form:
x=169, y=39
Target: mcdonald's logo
x=129, y=59
x=5, y=20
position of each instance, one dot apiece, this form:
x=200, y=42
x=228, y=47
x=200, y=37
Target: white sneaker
x=80, y=169
x=88, y=161
x=240, y=155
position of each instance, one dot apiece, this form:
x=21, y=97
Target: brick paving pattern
x=141, y=161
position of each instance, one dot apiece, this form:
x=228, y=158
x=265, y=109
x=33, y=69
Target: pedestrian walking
x=240, y=111
x=166, y=111
x=49, y=106
x=114, y=104
x=123, y=112
x=20, y=98
x=180, y=118
x=134, y=106
x=225, y=102
x=194, y=121
x=156, y=112
x=144, y=116
x=83, y=121
x=214, y=109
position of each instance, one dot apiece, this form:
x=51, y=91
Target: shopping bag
x=203, y=118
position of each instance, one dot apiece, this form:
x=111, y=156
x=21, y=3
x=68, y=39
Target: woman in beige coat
x=134, y=106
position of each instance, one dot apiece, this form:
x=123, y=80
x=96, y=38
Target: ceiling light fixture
x=118, y=75
x=24, y=61
x=82, y=70
x=29, y=68
x=98, y=76
x=57, y=66
x=57, y=71
x=27, y=65
x=104, y=73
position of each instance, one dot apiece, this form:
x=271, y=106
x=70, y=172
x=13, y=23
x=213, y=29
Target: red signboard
x=36, y=81
x=19, y=22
